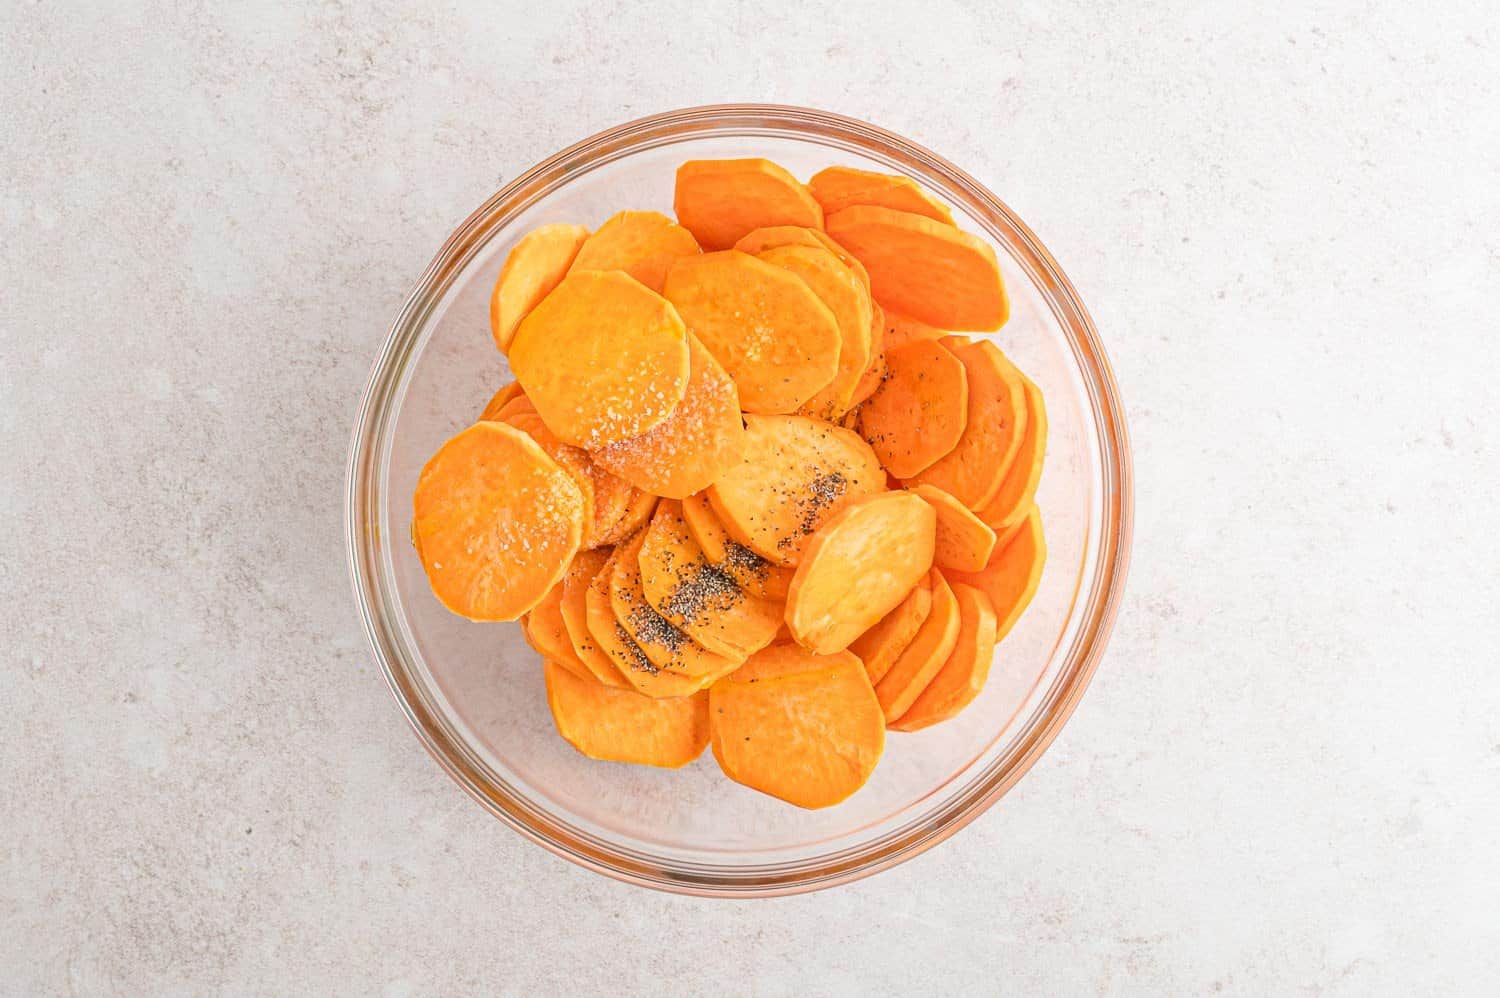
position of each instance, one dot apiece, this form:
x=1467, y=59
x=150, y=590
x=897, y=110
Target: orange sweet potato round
x=875, y=370
x=1018, y=490
x=920, y=660
x=963, y=675
x=641, y=243
x=622, y=726
x=924, y=268
x=774, y=336
x=760, y=240
x=1013, y=574
x=534, y=267
x=572, y=460
x=750, y=571
x=840, y=187
x=964, y=541
x=496, y=522
x=805, y=728
x=603, y=358
x=838, y=288
x=544, y=629
x=918, y=413
x=664, y=644
x=574, y=609
x=859, y=566
x=796, y=473
x=721, y=200
x=497, y=402
x=879, y=647
x=901, y=329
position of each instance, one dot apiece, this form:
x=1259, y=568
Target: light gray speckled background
x=1285, y=777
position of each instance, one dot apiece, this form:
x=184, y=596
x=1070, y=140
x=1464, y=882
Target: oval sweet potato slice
x=964, y=541
x=774, y=336
x=664, y=644
x=838, y=288
x=1013, y=574
x=796, y=472
x=859, y=566
x=643, y=675
x=973, y=471
x=701, y=600
x=534, y=267
x=497, y=401
x=720, y=200
x=686, y=453
x=879, y=647
x=496, y=522
x=918, y=413
x=805, y=728
x=840, y=187
x=544, y=630
x=603, y=358
x=901, y=329
x=573, y=460
x=772, y=236
x=622, y=726
x=875, y=370
x=636, y=514
x=920, y=660
x=750, y=571
x=517, y=405
x=574, y=609
x=641, y=243
x=924, y=268
x=1018, y=490
x=963, y=675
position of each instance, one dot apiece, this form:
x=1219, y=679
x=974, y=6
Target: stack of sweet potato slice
x=747, y=488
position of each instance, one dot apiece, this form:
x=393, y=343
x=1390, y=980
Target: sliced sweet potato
x=805, y=728
x=1004, y=537
x=572, y=666
x=703, y=436
x=643, y=675
x=838, y=288
x=546, y=631
x=572, y=459
x=879, y=647
x=699, y=599
x=901, y=329
x=720, y=200
x=603, y=358
x=1018, y=490
x=637, y=514
x=875, y=370
x=760, y=240
x=963, y=675
x=750, y=571
x=496, y=522
x=860, y=565
x=924, y=268
x=641, y=243
x=574, y=608
x=534, y=267
x=623, y=726
x=497, y=401
x=664, y=644
x=796, y=472
x=613, y=496
x=513, y=407
x=921, y=659
x=964, y=541
x=918, y=414
x=774, y=336
x=840, y=187
x=1013, y=574
x=973, y=471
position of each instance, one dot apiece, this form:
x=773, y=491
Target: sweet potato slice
x=603, y=358
x=770, y=237
x=664, y=644
x=918, y=414
x=623, y=726
x=1004, y=537
x=964, y=541
x=637, y=514
x=643, y=675
x=924, y=268
x=750, y=571
x=840, y=187
x=696, y=597
x=720, y=200
x=879, y=647
x=901, y=329
x=572, y=460
x=838, y=288
x=496, y=522
x=920, y=660
x=973, y=471
x=497, y=401
x=796, y=473
x=805, y=728
x=641, y=243
x=859, y=566
x=514, y=406
x=574, y=609
x=774, y=336
x=703, y=436
x=545, y=631
x=875, y=370
x=1013, y=574
x=963, y=675
x=534, y=267
x=1018, y=490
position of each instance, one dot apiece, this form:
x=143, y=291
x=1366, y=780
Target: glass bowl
x=474, y=692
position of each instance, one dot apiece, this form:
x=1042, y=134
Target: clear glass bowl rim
x=364, y=496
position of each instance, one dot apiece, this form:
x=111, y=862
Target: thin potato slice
x=603, y=358
x=497, y=401
x=572, y=460
x=1018, y=490
x=534, y=267
x=796, y=473
x=695, y=445
x=924, y=268
x=495, y=521
x=721, y=200
x=664, y=644
x=774, y=336
x=574, y=609
x=901, y=329
x=772, y=236
x=860, y=565
x=545, y=630
x=641, y=243
x=643, y=675
x=805, y=728
x=963, y=675
x=750, y=571
x=875, y=370
x=840, y=187
x=517, y=405
x=1013, y=574
x=918, y=414
x=964, y=541
x=920, y=660
x=637, y=514
x=838, y=288
x=879, y=647
x=622, y=726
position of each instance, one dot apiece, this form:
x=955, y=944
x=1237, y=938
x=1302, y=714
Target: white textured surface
x=1284, y=779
